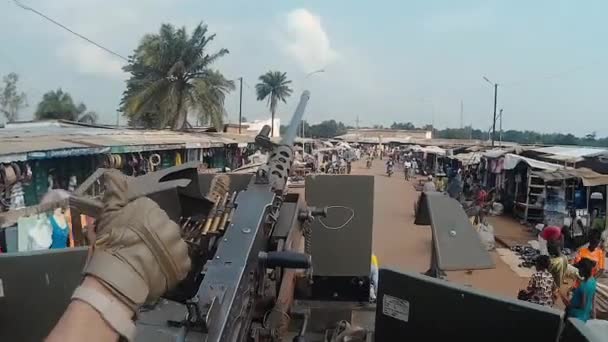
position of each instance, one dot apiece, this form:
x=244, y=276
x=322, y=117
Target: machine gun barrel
x=292, y=130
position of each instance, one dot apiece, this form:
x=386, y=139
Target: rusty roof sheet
x=57, y=135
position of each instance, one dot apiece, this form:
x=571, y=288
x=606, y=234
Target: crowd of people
x=574, y=283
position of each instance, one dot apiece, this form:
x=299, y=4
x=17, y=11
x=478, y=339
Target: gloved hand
x=139, y=253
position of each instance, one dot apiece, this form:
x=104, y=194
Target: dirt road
x=400, y=244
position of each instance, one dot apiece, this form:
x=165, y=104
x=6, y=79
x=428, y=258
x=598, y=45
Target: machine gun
x=225, y=305
x=251, y=250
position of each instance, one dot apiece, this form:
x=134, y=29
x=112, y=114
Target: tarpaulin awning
x=552, y=176
x=433, y=150
x=511, y=161
x=466, y=159
x=588, y=176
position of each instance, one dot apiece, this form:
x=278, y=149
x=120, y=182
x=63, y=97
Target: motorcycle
x=389, y=170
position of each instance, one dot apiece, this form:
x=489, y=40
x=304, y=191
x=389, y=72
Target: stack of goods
x=528, y=254
x=12, y=178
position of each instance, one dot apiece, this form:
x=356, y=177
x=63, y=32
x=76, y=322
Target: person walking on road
x=407, y=166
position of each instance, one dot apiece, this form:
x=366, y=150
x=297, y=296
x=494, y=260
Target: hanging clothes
x=59, y=233
x=38, y=236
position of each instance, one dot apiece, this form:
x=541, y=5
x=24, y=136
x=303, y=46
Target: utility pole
x=494, y=122
x=461, y=115
x=241, y=104
x=495, y=99
x=500, y=129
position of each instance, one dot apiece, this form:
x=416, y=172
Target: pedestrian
x=593, y=253
x=407, y=165
x=550, y=234
x=454, y=187
x=580, y=304
x=540, y=287
x=429, y=186
x=559, y=264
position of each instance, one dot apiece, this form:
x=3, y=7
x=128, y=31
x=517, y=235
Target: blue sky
x=385, y=61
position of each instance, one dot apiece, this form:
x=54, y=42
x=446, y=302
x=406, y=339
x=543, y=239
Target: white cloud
x=89, y=59
x=306, y=40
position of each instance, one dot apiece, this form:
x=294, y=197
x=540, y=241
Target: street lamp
x=314, y=72
x=495, y=98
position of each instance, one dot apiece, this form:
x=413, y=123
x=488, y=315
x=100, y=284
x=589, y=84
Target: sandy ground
x=401, y=245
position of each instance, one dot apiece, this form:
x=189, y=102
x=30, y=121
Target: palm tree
x=273, y=87
x=171, y=76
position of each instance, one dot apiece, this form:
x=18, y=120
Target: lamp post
x=241, y=104
x=495, y=98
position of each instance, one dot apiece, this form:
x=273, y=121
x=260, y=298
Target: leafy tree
x=11, y=101
x=59, y=105
x=401, y=125
x=327, y=129
x=273, y=87
x=243, y=119
x=171, y=75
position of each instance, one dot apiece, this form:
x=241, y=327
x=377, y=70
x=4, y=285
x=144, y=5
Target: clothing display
x=17, y=197
x=39, y=236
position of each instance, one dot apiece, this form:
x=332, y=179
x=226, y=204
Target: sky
x=384, y=61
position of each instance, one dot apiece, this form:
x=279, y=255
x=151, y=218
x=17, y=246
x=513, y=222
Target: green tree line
x=516, y=136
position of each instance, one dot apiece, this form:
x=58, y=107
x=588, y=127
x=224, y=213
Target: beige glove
x=139, y=253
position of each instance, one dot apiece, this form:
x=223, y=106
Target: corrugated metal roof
x=567, y=153
x=58, y=135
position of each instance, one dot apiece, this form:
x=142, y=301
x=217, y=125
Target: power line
x=554, y=75
x=27, y=8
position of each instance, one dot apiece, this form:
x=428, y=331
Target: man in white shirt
x=407, y=166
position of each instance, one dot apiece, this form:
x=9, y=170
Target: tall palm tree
x=273, y=87
x=171, y=75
